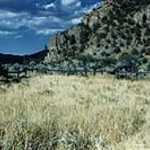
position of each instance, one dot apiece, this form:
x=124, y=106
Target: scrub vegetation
x=75, y=113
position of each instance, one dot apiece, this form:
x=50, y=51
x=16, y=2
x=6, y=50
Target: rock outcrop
x=113, y=32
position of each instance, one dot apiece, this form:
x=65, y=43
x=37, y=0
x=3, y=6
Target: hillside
x=11, y=59
x=108, y=36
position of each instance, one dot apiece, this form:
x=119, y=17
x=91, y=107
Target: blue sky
x=26, y=25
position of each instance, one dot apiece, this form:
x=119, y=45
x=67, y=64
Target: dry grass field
x=75, y=113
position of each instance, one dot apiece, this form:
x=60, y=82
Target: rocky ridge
x=110, y=34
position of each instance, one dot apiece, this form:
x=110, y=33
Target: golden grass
x=67, y=113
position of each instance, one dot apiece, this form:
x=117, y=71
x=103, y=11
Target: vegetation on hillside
x=110, y=34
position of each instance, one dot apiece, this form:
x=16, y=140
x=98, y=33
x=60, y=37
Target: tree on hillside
x=3, y=71
x=45, y=47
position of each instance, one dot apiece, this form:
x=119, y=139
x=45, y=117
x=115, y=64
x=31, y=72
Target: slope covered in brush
x=111, y=33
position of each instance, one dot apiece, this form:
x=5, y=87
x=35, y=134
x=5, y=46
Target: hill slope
x=111, y=34
x=11, y=59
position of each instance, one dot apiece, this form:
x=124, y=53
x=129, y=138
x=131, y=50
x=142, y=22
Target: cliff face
x=69, y=43
x=110, y=31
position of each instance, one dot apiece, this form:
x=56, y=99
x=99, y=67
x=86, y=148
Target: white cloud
x=8, y=14
x=41, y=25
x=68, y=2
x=11, y=20
x=48, y=31
x=18, y=36
x=90, y=8
x=6, y=33
x=46, y=18
x=76, y=20
x=78, y=4
x=45, y=7
x=85, y=10
x=34, y=21
x=51, y=5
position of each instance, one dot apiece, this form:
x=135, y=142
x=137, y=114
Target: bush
x=134, y=52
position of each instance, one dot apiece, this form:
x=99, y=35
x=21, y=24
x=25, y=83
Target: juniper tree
x=3, y=71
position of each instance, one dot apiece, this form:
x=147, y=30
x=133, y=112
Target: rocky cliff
x=112, y=32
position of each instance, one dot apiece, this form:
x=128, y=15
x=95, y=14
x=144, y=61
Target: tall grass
x=75, y=113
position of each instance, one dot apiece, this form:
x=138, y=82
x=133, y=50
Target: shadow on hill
x=11, y=59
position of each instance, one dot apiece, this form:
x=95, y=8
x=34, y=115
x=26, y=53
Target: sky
x=26, y=25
